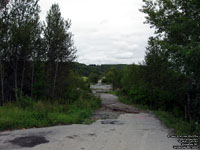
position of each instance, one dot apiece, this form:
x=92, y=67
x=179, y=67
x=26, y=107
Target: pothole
x=115, y=122
x=4, y=134
x=120, y=108
x=29, y=141
x=92, y=134
x=73, y=136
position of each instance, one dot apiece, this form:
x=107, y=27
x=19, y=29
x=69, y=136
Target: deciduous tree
x=59, y=44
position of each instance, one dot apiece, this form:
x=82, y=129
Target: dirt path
x=118, y=127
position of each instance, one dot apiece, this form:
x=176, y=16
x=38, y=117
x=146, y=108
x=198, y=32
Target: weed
x=28, y=113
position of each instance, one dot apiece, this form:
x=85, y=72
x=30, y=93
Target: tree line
x=169, y=77
x=35, y=56
x=86, y=70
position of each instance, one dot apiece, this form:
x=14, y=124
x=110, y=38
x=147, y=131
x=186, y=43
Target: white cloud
x=105, y=31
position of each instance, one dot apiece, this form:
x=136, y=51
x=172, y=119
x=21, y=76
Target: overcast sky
x=105, y=31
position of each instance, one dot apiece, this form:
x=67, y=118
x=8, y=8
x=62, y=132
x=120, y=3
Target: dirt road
x=118, y=127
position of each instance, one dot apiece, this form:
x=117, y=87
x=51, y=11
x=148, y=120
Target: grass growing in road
x=111, y=92
x=47, y=113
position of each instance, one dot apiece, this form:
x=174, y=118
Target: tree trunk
x=22, y=80
x=54, y=84
x=16, y=88
x=188, y=106
x=32, y=78
x=2, y=84
x=185, y=112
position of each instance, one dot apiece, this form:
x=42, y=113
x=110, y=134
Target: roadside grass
x=47, y=113
x=111, y=92
x=178, y=124
x=85, y=79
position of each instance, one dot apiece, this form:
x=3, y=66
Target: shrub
x=93, y=78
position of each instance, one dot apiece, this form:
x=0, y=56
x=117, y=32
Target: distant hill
x=85, y=70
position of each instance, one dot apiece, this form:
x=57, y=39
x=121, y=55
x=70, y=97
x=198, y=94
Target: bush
x=93, y=78
x=104, y=80
x=75, y=88
x=25, y=102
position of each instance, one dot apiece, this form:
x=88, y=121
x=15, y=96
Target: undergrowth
x=28, y=113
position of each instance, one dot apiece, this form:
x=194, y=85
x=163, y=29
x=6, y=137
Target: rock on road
x=118, y=127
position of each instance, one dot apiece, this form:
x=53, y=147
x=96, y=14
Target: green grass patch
x=47, y=113
x=85, y=79
x=111, y=92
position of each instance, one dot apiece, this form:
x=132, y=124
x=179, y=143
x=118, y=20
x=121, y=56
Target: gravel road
x=118, y=127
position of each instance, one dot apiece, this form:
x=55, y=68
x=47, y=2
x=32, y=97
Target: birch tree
x=59, y=44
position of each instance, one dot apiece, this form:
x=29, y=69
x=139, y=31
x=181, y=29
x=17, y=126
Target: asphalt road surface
x=118, y=127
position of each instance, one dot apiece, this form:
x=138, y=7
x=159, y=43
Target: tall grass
x=28, y=113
